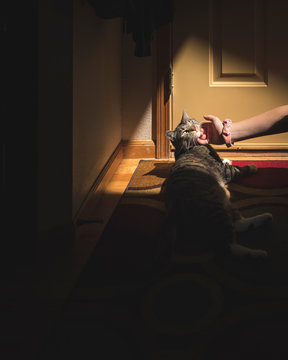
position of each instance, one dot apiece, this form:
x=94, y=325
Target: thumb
x=211, y=118
x=202, y=141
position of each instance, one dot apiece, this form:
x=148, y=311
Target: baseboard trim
x=267, y=154
x=134, y=149
x=253, y=153
x=101, y=182
x=242, y=146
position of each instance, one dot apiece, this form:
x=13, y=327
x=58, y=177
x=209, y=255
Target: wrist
x=226, y=133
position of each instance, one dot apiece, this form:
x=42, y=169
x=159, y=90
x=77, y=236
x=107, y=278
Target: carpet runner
x=130, y=302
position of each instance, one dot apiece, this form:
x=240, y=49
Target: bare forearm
x=271, y=122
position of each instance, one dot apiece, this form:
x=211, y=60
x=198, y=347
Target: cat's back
x=194, y=188
x=198, y=159
x=192, y=172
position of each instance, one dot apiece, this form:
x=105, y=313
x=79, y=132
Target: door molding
x=163, y=91
x=226, y=34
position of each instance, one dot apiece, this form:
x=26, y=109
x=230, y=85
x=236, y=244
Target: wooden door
x=230, y=59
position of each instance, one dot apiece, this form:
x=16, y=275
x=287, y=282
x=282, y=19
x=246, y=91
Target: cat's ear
x=170, y=135
x=185, y=116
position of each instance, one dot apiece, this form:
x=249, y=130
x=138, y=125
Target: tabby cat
x=197, y=201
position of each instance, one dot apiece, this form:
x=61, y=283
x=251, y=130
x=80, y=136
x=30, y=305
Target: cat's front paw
x=226, y=161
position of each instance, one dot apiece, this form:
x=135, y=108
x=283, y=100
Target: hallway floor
x=28, y=326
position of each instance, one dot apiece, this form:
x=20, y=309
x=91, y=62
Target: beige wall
x=220, y=69
x=97, y=96
x=112, y=95
x=136, y=93
x=93, y=92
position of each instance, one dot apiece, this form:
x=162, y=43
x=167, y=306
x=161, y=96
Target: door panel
x=230, y=59
x=237, y=52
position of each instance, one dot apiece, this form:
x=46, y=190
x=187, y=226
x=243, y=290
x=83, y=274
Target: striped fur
x=197, y=201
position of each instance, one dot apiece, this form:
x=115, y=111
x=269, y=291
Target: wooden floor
x=88, y=234
x=39, y=299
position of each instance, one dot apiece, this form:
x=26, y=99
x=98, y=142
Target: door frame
x=163, y=91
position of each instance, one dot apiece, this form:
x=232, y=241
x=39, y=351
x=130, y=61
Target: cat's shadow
x=161, y=170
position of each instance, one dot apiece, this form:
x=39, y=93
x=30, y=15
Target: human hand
x=210, y=131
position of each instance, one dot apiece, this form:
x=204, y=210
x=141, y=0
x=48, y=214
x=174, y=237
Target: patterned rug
x=130, y=301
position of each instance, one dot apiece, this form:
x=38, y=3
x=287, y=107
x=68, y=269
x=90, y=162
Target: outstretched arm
x=270, y=122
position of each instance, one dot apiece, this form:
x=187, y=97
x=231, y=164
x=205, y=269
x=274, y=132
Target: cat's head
x=185, y=135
